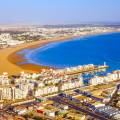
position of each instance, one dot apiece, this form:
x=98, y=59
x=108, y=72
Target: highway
x=78, y=108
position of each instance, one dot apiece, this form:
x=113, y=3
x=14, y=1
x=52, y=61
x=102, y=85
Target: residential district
x=75, y=93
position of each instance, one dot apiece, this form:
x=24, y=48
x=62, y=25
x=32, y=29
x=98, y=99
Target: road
x=88, y=95
x=78, y=108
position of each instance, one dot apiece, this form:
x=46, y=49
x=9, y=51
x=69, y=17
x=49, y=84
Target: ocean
x=94, y=49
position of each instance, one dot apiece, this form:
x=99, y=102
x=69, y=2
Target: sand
x=9, y=58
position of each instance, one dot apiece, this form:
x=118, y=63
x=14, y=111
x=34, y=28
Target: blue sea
x=95, y=49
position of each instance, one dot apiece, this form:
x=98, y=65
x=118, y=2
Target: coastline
x=10, y=58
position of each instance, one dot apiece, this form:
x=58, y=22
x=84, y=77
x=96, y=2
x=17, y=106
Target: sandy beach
x=9, y=58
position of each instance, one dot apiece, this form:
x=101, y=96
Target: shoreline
x=10, y=58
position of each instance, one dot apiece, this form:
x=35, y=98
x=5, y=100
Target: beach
x=9, y=58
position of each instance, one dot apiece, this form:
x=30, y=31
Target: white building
x=46, y=90
x=20, y=94
x=6, y=93
x=105, y=79
x=7, y=38
x=4, y=79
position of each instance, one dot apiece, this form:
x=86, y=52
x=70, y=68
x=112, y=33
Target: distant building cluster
x=11, y=36
x=7, y=40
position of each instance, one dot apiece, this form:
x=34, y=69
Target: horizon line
x=60, y=24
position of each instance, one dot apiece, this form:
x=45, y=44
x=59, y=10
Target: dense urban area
x=83, y=92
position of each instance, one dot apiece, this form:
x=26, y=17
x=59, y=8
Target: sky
x=59, y=11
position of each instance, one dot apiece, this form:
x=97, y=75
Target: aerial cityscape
x=59, y=60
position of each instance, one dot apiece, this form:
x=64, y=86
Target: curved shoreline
x=9, y=58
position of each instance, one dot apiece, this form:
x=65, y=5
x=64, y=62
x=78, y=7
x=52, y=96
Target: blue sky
x=58, y=11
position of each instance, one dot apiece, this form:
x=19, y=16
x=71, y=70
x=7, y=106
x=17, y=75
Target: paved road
x=90, y=96
x=98, y=116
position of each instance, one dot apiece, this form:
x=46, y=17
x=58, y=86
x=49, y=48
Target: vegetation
x=38, y=118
